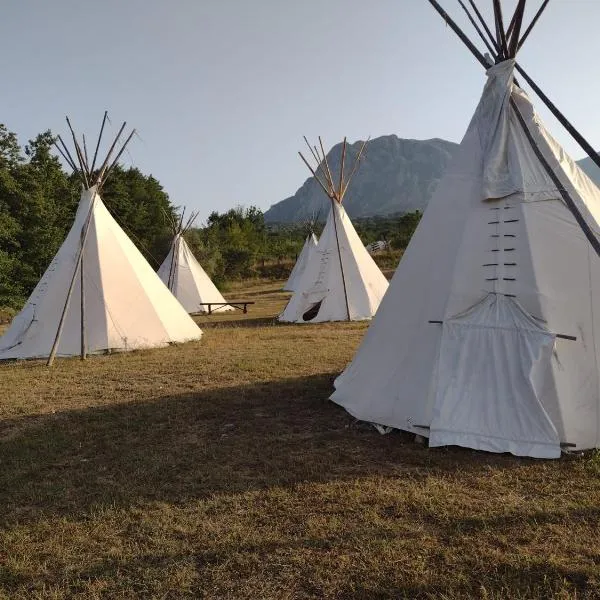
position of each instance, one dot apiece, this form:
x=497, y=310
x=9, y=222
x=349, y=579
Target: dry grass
x=219, y=470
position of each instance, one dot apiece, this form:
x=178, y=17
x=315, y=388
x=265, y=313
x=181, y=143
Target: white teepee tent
x=341, y=282
x=185, y=277
x=304, y=258
x=99, y=293
x=488, y=336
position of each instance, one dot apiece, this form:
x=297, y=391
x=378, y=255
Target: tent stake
x=61, y=323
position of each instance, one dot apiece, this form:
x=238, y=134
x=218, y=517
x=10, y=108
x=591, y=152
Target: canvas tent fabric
x=126, y=305
x=337, y=285
x=187, y=280
x=304, y=258
x=496, y=235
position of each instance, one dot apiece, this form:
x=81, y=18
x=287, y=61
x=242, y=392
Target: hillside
x=396, y=176
x=590, y=168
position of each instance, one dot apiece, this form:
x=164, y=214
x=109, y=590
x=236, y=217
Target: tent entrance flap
x=485, y=393
x=312, y=311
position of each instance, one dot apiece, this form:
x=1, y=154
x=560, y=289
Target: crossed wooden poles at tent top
x=335, y=192
x=88, y=173
x=179, y=228
x=90, y=176
x=502, y=46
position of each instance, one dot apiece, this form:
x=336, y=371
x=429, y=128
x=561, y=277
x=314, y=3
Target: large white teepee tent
x=185, y=277
x=489, y=335
x=304, y=258
x=341, y=282
x=99, y=293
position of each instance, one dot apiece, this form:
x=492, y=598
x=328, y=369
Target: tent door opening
x=313, y=311
x=485, y=395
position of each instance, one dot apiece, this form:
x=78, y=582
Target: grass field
x=219, y=469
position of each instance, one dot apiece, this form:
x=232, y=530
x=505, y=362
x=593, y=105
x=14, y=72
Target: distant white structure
x=375, y=247
x=185, y=277
x=341, y=282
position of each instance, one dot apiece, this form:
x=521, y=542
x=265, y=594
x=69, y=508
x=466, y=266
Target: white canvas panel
x=304, y=258
x=187, y=280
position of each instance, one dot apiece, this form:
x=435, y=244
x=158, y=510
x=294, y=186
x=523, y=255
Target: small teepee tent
x=341, y=282
x=183, y=275
x=304, y=258
x=488, y=335
x=99, y=293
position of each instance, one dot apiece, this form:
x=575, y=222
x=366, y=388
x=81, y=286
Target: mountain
x=395, y=176
x=591, y=169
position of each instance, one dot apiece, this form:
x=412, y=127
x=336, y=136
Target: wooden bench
x=240, y=305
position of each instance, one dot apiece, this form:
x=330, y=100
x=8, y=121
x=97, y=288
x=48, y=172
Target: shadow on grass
x=206, y=323
x=224, y=440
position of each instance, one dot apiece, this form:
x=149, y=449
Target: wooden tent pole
x=515, y=29
x=315, y=175
x=585, y=145
x=320, y=164
x=337, y=239
x=458, y=31
x=485, y=26
x=342, y=163
x=175, y=247
x=85, y=154
x=83, y=340
x=72, y=161
x=61, y=323
x=327, y=166
x=500, y=32
x=79, y=156
x=589, y=234
x=114, y=162
x=531, y=25
x=587, y=148
x=491, y=50
x=67, y=160
x=356, y=165
x=110, y=151
x=98, y=142
x=318, y=159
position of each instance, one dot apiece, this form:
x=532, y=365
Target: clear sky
x=221, y=91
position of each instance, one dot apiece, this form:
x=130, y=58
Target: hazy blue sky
x=221, y=91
